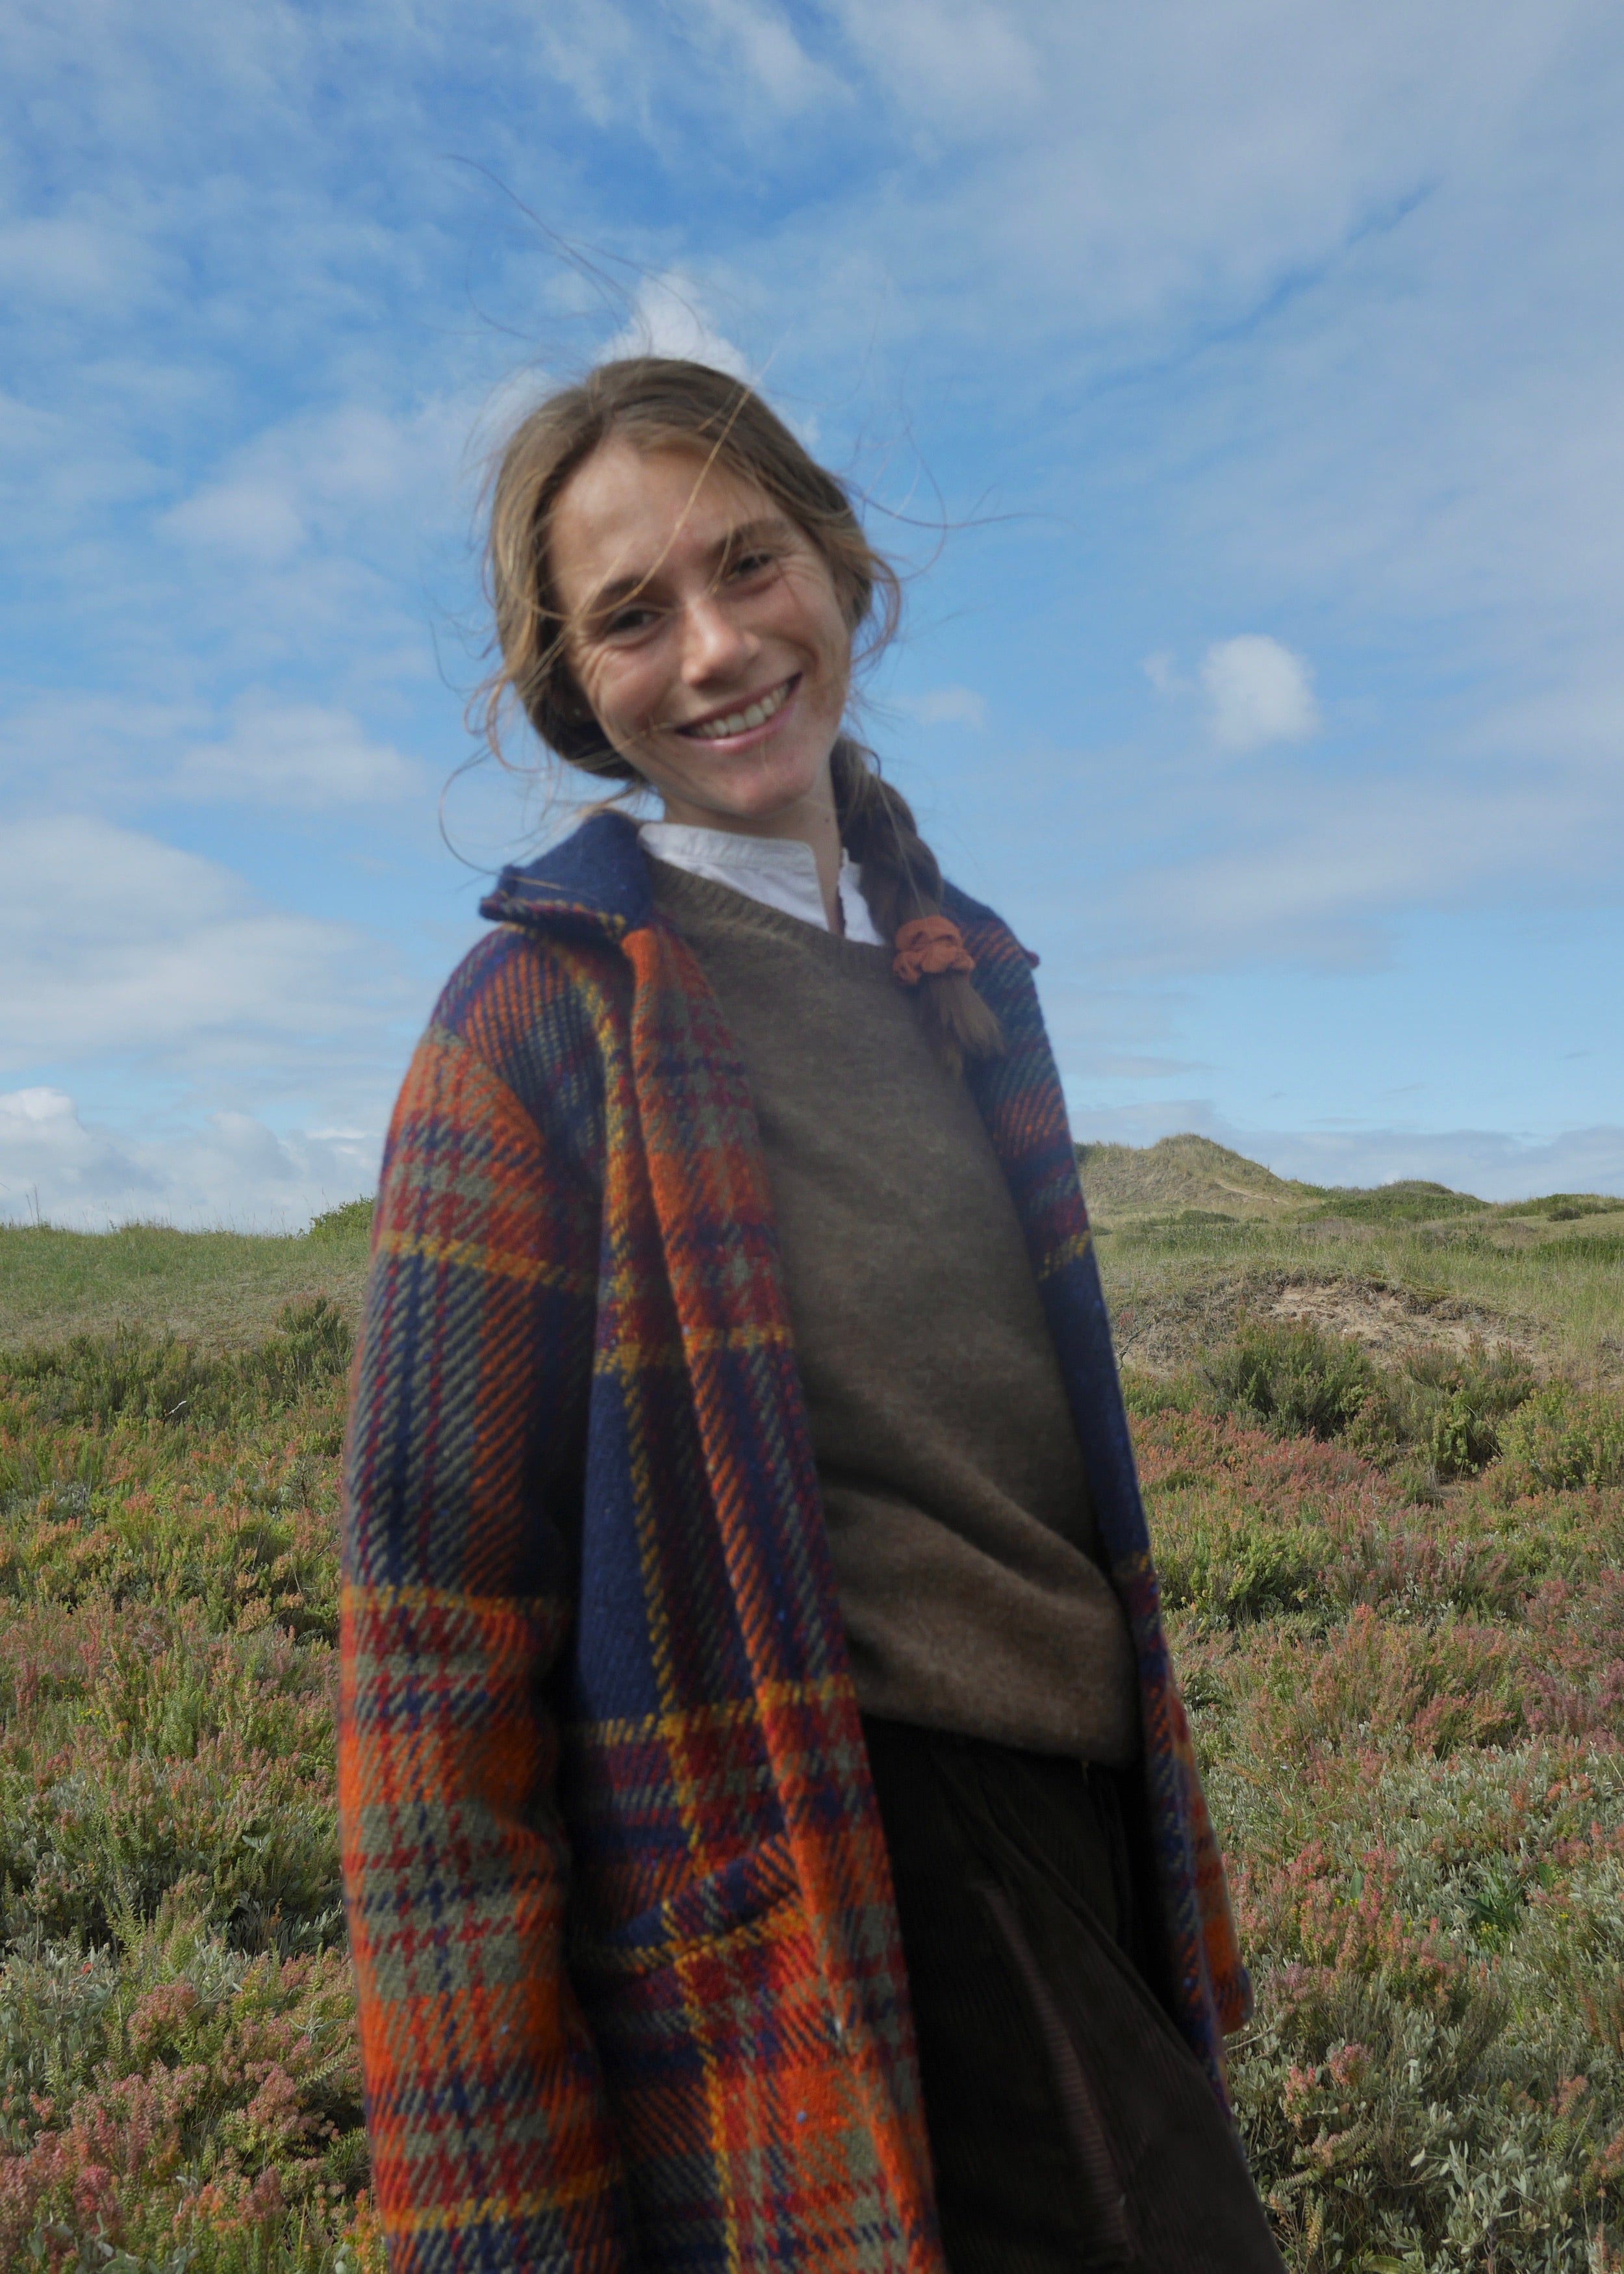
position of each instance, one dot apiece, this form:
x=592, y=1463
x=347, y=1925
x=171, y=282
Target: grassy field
x=223, y=1290
x=1191, y=1237
x=1382, y=1439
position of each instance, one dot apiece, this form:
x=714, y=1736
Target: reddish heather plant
x=1411, y=1712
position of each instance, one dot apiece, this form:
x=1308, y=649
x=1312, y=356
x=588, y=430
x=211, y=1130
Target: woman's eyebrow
x=751, y=532
x=735, y=540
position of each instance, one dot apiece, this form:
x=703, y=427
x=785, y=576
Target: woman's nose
x=712, y=642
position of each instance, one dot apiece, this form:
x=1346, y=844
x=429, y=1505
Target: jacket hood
x=596, y=881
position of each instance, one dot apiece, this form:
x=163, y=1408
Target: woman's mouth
x=745, y=719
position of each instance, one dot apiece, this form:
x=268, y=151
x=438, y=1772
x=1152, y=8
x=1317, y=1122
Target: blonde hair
x=663, y=403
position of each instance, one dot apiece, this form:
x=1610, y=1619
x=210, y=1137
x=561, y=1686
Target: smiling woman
x=631, y=458
x=772, y=1834
x=708, y=641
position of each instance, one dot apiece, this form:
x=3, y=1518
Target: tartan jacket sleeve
x=493, y=2144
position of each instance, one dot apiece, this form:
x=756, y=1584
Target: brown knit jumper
x=958, y=1511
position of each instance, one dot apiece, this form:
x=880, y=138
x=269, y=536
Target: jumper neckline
x=778, y=872
x=679, y=891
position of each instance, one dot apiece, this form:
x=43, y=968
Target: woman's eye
x=752, y=564
x=625, y=622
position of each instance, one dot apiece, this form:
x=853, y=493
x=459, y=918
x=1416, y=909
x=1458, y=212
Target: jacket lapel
x=708, y=1180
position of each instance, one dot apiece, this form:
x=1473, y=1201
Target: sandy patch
x=1391, y=1319
x=1162, y=1332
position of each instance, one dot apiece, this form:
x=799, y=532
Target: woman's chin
x=754, y=791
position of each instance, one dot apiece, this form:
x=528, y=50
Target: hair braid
x=902, y=879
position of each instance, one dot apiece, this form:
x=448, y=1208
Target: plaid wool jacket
x=630, y=1986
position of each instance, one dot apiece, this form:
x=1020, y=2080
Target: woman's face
x=703, y=627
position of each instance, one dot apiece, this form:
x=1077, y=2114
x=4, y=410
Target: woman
x=770, y=1832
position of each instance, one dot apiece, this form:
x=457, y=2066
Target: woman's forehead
x=627, y=511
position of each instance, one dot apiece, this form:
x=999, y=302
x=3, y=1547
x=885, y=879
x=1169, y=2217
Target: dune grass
x=1392, y=1575
x=1562, y=1298
x=224, y=1289
x=1186, y=1226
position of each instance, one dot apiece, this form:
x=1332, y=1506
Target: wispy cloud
x=966, y=62
x=758, y=49
x=120, y=946
x=1250, y=315
x=946, y=706
x=65, y=751
x=298, y=756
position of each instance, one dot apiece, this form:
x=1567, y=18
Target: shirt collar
x=780, y=872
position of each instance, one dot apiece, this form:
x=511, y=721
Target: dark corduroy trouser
x=1070, y=2126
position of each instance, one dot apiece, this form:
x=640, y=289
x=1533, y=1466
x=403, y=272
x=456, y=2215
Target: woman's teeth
x=741, y=721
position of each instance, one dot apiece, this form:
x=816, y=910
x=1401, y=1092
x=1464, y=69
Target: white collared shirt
x=780, y=872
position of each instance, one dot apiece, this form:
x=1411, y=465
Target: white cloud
x=1175, y=161
x=91, y=262
x=297, y=755
x=1310, y=874
x=946, y=706
x=750, y=39
x=72, y=749
x=1258, y=691
x=593, y=49
x=965, y=60
x=739, y=64
x=340, y=475
x=669, y=318
x=288, y=756
x=259, y=520
x=116, y=945
x=229, y=1170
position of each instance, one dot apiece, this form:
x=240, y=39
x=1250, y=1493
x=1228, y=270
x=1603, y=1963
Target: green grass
x=221, y=1288
x=1392, y=1565
x=1548, y=1274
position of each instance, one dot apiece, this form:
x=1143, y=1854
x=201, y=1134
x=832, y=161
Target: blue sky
x=1240, y=381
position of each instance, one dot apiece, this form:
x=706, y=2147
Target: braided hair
x=902, y=879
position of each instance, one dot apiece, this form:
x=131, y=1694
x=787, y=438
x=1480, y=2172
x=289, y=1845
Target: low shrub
x=353, y=1220
x=130, y=1376
x=1293, y=1378
x=1447, y=1404
x=1561, y=1208
x=1373, y=1682
x=165, y=2098
x=1411, y=1718
x=1564, y=1437
x=178, y=2078
x=1235, y=1570
x=1435, y=2076
x=1454, y=1404
x=1145, y=1394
